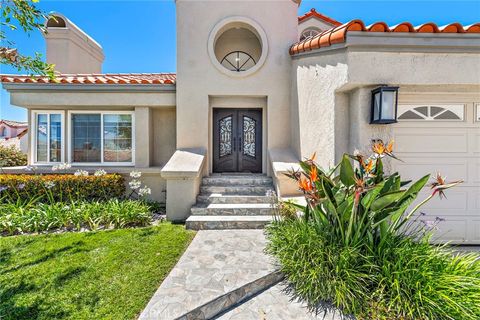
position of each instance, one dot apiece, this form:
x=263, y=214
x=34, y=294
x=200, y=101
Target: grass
x=94, y=275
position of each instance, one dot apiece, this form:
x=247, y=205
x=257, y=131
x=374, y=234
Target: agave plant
x=356, y=202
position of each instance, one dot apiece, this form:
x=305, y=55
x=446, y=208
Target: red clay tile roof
x=109, y=78
x=313, y=13
x=339, y=34
x=14, y=124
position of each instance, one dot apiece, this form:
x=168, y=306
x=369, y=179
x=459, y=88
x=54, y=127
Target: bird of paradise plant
x=358, y=249
x=357, y=200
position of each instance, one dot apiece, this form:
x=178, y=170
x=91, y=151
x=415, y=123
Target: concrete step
x=195, y=222
x=237, y=190
x=235, y=209
x=240, y=180
x=218, y=198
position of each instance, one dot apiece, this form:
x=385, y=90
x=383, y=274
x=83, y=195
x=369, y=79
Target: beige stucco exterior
x=70, y=49
x=314, y=102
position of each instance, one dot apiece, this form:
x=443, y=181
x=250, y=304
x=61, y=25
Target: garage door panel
x=452, y=230
x=451, y=147
x=431, y=141
x=477, y=201
x=476, y=142
x=476, y=171
x=476, y=230
x=456, y=200
x=415, y=169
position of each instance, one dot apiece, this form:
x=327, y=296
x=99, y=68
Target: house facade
x=14, y=134
x=258, y=88
x=11, y=129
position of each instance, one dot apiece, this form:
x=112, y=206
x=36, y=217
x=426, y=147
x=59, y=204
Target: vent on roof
x=56, y=22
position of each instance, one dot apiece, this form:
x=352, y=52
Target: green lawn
x=94, y=275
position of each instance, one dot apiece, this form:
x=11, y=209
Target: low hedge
x=12, y=157
x=60, y=187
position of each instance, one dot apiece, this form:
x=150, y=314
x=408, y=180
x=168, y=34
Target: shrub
x=61, y=187
x=12, y=157
x=354, y=246
x=320, y=271
x=73, y=216
x=420, y=281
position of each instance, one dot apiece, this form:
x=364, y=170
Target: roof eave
x=385, y=41
x=134, y=88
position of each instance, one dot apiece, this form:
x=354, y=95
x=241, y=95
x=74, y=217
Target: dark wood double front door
x=237, y=140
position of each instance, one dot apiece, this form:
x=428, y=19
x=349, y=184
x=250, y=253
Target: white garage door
x=444, y=138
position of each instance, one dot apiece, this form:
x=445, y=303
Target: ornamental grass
x=360, y=246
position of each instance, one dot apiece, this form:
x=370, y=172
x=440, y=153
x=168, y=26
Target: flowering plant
x=64, y=187
x=137, y=191
x=361, y=202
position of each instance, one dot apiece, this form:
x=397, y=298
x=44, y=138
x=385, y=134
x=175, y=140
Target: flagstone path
x=224, y=274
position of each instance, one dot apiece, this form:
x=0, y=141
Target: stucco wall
x=164, y=135
x=334, y=93
x=407, y=68
x=316, y=81
x=198, y=78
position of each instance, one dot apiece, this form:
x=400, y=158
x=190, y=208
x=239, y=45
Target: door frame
x=236, y=102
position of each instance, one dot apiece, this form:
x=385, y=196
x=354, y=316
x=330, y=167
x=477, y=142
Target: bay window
x=47, y=136
x=101, y=137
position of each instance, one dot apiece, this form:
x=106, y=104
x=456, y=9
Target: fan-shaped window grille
x=238, y=61
x=309, y=33
x=431, y=112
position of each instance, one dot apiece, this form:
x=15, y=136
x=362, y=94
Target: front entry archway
x=237, y=140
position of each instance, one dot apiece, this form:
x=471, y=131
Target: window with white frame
x=309, y=33
x=451, y=112
x=101, y=137
x=48, y=136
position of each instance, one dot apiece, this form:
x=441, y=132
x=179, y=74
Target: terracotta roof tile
x=14, y=124
x=109, y=78
x=314, y=14
x=473, y=28
x=339, y=34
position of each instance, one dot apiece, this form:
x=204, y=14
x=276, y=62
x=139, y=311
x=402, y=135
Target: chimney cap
x=58, y=21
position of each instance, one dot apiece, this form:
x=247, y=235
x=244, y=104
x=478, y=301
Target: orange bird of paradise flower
x=305, y=185
x=313, y=174
x=367, y=167
x=440, y=184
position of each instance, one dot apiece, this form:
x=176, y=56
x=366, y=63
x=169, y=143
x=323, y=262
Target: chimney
x=70, y=48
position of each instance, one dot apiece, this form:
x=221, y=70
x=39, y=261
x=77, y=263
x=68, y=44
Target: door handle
x=240, y=144
x=234, y=144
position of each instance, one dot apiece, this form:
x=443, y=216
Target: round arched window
x=309, y=33
x=238, y=61
x=238, y=46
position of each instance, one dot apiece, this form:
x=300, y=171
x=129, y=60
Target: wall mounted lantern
x=384, y=105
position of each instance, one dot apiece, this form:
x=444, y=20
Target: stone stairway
x=232, y=201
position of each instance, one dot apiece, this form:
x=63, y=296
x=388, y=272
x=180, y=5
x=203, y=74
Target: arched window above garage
x=454, y=112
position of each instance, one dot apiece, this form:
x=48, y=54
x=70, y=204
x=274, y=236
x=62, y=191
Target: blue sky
x=139, y=36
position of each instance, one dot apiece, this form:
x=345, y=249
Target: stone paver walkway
x=215, y=263
x=275, y=304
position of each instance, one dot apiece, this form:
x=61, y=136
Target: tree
x=22, y=14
